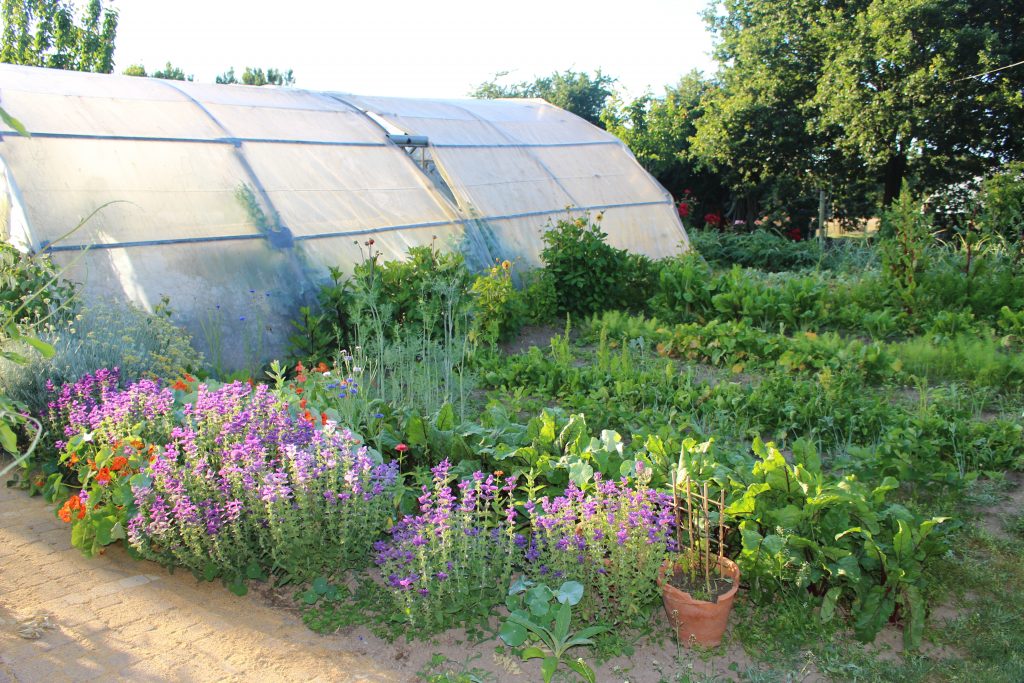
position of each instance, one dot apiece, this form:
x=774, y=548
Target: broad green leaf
x=446, y=418
x=547, y=668
x=788, y=516
x=104, y=525
x=580, y=473
x=562, y=621
x=14, y=123
x=570, y=592
x=7, y=438
x=828, y=605
x=581, y=667
x=512, y=634
x=533, y=652
x=520, y=585
x=238, y=587
x=416, y=431
x=914, y=626
x=321, y=585
x=903, y=541
x=44, y=349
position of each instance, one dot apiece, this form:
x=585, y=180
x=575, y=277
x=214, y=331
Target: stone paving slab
x=117, y=619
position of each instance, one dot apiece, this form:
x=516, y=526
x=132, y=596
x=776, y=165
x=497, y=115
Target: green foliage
x=104, y=335
x=171, y=73
x=51, y=33
x=31, y=290
x=321, y=333
x=544, y=616
x=499, y=310
x=906, y=238
x=256, y=76
x=836, y=538
x=589, y=274
x=1002, y=205
x=577, y=92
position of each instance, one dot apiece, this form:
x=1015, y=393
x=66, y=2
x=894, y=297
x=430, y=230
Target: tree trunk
x=895, y=170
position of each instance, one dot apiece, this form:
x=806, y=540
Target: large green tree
x=51, y=33
x=578, y=92
x=863, y=93
x=658, y=130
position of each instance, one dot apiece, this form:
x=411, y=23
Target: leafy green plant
x=589, y=274
x=543, y=616
x=499, y=309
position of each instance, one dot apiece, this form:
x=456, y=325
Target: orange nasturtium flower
x=322, y=367
x=189, y=378
x=119, y=463
x=302, y=404
x=74, y=459
x=179, y=386
x=70, y=505
x=323, y=418
x=307, y=416
x=103, y=476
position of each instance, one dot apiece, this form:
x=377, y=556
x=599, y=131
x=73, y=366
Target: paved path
x=118, y=619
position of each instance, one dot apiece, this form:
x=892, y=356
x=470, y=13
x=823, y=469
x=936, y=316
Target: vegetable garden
x=416, y=467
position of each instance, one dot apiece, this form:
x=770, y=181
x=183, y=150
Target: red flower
x=401, y=448
x=684, y=209
x=189, y=378
x=307, y=416
x=118, y=463
x=103, y=476
x=302, y=404
x=250, y=382
x=713, y=219
x=323, y=418
x=322, y=367
x=179, y=386
x=299, y=390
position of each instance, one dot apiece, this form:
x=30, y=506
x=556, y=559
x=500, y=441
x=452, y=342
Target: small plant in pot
x=699, y=585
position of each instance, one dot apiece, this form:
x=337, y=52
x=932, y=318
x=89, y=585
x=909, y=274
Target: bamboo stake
x=721, y=524
x=689, y=527
x=678, y=514
x=707, y=558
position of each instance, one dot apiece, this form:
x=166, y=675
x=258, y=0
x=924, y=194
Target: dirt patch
x=533, y=335
x=994, y=518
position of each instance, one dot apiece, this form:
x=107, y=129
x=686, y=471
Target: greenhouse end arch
x=237, y=199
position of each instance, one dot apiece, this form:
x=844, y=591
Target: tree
x=580, y=93
x=658, y=130
x=862, y=94
x=172, y=73
x=135, y=70
x=255, y=76
x=47, y=33
x=896, y=88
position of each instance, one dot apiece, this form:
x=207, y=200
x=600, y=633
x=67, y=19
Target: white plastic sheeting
x=169, y=161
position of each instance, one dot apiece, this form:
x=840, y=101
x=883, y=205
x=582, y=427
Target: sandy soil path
x=122, y=620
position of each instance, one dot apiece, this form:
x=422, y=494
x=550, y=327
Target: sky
x=441, y=49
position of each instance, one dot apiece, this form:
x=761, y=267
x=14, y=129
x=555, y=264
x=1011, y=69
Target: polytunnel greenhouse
x=232, y=198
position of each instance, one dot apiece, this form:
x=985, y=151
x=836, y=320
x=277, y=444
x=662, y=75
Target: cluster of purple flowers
x=235, y=479
x=457, y=553
x=612, y=539
x=95, y=405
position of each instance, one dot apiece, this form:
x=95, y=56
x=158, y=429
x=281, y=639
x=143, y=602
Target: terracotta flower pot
x=695, y=620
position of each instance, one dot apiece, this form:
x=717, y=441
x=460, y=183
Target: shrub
x=103, y=335
x=589, y=274
x=32, y=291
x=499, y=309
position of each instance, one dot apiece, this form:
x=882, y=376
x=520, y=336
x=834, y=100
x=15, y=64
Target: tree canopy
x=255, y=76
x=831, y=94
x=50, y=33
x=578, y=92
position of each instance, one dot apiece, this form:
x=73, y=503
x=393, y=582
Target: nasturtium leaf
x=321, y=585
x=513, y=634
x=570, y=592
